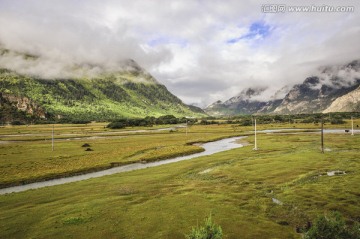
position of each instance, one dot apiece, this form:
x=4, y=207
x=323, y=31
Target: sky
x=202, y=51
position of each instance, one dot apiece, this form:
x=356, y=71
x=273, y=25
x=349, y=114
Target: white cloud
x=183, y=43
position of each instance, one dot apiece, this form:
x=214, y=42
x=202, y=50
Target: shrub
x=17, y=122
x=73, y=221
x=246, y=122
x=167, y=119
x=307, y=120
x=332, y=227
x=116, y=125
x=337, y=121
x=80, y=121
x=209, y=231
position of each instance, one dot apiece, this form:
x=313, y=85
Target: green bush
x=209, y=231
x=73, y=221
x=246, y=122
x=337, y=121
x=332, y=227
x=167, y=119
x=17, y=122
x=116, y=125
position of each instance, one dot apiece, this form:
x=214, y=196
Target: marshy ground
x=241, y=187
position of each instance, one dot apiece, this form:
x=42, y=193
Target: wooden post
x=255, y=148
x=322, y=135
x=52, y=138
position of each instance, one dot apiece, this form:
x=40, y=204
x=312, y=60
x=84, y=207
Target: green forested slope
x=106, y=97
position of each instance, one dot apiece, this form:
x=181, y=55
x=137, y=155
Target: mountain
x=317, y=93
x=311, y=97
x=247, y=102
x=131, y=92
x=349, y=102
x=333, y=89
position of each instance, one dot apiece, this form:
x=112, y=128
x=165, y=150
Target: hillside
x=131, y=93
x=312, y=96
x=346, y=103
x=244, y=103
x=333, y=89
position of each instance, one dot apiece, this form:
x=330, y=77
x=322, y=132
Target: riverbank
x=236, y=187
x=33, y=161
x=208, y=149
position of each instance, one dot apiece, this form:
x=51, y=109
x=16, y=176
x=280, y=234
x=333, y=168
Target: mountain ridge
x=314, y=95
x=130, y=93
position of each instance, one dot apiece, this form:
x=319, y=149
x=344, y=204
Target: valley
x=179, y=119
x=238, y=187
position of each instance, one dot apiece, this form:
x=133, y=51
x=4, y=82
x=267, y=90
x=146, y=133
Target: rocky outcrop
x=346, y=103
x=270, y=106
x=24, y=104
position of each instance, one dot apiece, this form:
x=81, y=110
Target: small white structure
x=255, y=148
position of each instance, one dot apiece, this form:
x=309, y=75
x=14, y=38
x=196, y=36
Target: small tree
x=17, y=122
x=246, y=122
x=332, y=227
x=209, y=231
x=337, y=120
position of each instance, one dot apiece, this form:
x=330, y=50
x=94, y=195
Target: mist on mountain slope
x=202, y=51
x=333, y=76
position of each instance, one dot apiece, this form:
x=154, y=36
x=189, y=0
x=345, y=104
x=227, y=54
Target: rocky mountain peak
x=315, y=94
x=311, y=81
x=248, y=94
x=251, y=92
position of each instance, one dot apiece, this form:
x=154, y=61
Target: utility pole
x=255, y=148
x=352, y=126
x=322, y=135
x=52, y=138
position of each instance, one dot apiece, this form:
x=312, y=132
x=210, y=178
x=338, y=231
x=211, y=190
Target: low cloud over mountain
x=202, y=51
x=331, y=89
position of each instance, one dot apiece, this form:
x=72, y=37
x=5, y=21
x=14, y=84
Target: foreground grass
x=235, y=186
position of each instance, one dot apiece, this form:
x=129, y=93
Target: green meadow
x=27, y=155
x=274, y=192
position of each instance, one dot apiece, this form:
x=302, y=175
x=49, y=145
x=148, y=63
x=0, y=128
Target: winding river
x=210, y=148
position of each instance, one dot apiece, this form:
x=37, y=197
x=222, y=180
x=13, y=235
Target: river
x=210, y=148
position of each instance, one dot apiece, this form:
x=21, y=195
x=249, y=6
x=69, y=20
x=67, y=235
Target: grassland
x=27, y=156
x=237, y=187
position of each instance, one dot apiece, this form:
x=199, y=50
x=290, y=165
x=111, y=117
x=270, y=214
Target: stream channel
x=210, y=148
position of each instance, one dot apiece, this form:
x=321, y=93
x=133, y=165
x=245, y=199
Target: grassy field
x=237, y=187
x=26, y=154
